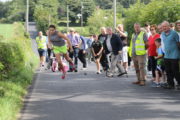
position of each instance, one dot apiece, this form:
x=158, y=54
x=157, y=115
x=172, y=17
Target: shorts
x=160, y=69
x=42, y=52
x=60, y=50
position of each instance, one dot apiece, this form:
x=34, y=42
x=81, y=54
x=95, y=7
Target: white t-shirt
x=108, y=43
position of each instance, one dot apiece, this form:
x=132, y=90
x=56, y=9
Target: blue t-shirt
x=170, y=45
x=160, y=53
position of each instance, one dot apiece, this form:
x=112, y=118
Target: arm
x=119, y=43
x=100, y=51
x=145, y=38
x=121, y=33
x=67, y=40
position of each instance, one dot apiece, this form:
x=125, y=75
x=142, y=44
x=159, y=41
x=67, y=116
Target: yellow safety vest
x=139, y=45
x=41, y=42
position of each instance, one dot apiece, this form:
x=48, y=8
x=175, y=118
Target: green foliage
x=17, y=64
x=46, y=13
x=154, y=13
x=101, y=18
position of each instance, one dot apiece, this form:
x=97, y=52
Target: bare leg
x=98, y=65
x=58, y=57
x=68, y=58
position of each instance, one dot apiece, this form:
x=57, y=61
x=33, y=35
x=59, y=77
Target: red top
x=152, y=46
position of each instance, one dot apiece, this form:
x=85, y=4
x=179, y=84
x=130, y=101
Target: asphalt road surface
x=96, y=97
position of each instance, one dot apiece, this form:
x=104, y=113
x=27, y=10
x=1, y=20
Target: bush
x=155, y=12
x=17, y=64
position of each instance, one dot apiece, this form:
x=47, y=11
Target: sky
x=4, y=0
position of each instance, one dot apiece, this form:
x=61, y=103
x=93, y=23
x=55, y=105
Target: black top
x=116, y=44
x=96, y=45
x=102, y=38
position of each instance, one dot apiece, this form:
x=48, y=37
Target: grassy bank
x=17, y=65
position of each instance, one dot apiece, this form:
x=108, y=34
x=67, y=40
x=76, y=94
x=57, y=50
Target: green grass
x=14, y=87
x=6, y=30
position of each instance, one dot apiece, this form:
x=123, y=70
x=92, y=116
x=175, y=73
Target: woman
x=57, y=39
x=97, y=49
x=152, y=49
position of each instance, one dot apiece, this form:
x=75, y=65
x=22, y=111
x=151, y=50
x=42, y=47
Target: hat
x=71, y=30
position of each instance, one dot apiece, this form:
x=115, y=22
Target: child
x=97, y=49
x=125, y=56
x=160, y=65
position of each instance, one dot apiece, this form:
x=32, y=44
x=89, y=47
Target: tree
x=46, y=13
x=101, y=18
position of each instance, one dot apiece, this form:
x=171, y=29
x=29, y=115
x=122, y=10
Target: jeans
x=139, y=64
x=74, y=55
x=114, y=63
x=82, y=58
x=172, y=71
x=104, y=62
x=153, y=64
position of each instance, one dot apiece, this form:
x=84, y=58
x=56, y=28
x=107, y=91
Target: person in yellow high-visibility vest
x=42, y=47
x=137, y=50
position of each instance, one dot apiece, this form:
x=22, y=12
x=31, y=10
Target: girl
x=97, y=49
x=57, y=39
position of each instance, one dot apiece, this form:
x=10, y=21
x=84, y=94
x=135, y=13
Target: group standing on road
x=154, y=48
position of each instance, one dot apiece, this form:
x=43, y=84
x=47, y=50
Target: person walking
x=57, y=39
x=113, y=45
x=83, y=52
x=152, y=49
x=137, y=50
x=97, y=49
x=41, y=41
x=170, y=39
x=123, y=35
x=76, y=42
x=104, y=61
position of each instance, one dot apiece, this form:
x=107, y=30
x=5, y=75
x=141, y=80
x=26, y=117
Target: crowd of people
x=154, y=48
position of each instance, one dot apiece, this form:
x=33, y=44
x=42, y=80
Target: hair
x=172, y=24
x=52, y=26
x=146, y=24
x=137, y=24
x=109, y=28
x=166, y=22
x=158, y=40
x=153, y=26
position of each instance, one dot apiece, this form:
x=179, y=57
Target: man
x=76, y=42
x=137, y=50
x=83, y=52
x=102, y=37
x=42, y=47
x=160, y=30
x=113, y=45
x=178, y=28
x=170, y=39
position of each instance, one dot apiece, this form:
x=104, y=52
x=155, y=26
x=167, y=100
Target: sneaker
x=76, y=70
x=73, y=66
x=155, y=85
x=121, y=74
x=84, y=68
x=109, y=75
x=168, y=86
x=64, y=73
x=98, y=72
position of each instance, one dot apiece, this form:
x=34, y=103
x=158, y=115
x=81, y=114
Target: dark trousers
x=104, y=62
x=74, y=55
x=82, y=58
x=172, y=71
x=153, y=64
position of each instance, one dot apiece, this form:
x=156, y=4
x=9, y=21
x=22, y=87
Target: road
x=96, y=97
